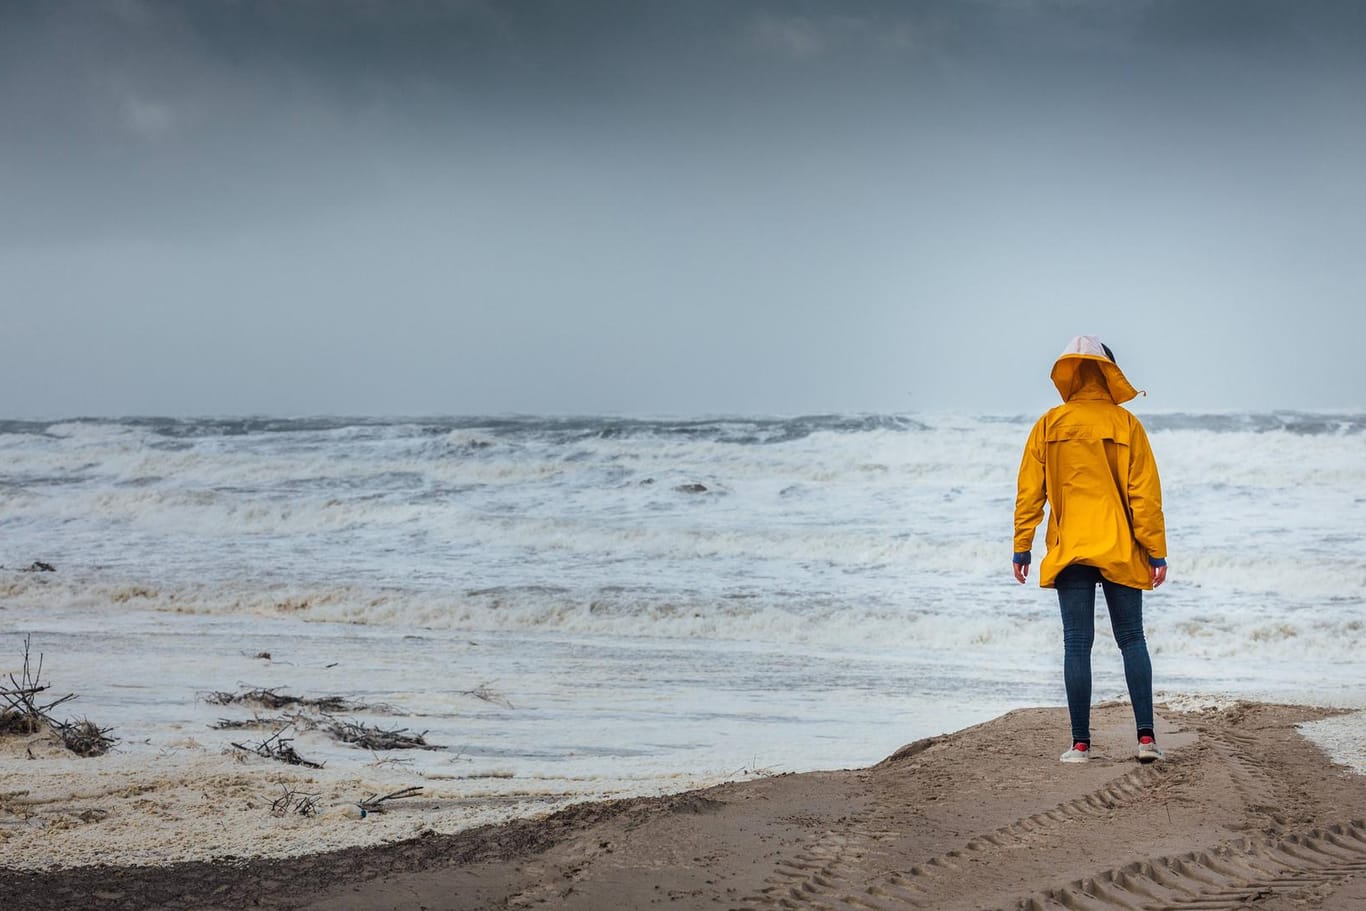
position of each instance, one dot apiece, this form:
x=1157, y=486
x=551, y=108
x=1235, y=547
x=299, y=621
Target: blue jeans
x=1077, y=598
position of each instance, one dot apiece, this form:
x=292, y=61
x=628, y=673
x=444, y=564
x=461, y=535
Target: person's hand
x=1021, y=572
x=1159, y=575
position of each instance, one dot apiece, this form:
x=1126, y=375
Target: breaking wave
x=862, y=530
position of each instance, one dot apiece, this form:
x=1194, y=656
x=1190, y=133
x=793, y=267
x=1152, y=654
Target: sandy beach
x=1246, y=813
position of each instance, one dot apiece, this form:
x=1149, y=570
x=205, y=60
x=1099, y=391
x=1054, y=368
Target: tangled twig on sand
x=255, y=721
x=372, y=737
x=270, y=699
x=22, y=713
x=84, y=737
x=367, y=736
x=310, y=714
x=279, y=748
x=296, y=802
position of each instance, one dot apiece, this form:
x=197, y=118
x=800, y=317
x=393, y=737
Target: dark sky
x=702, y=206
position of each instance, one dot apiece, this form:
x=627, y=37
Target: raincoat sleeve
x=1145, y=497
x=1032, y=491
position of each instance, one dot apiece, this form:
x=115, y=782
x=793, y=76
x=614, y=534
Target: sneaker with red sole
x=1148, y=751
x=1080, y=752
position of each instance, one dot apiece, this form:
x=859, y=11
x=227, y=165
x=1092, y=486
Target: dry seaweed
x=14, y=722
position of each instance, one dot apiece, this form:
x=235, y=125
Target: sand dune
x=1245, y=814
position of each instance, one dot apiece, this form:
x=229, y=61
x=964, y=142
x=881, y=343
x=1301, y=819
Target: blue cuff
x=1023, y=557
x=1157, y=561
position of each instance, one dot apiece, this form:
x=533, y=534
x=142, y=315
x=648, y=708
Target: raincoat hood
x=1070, y=377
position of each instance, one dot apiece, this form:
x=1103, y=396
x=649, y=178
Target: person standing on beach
x=1090, y=461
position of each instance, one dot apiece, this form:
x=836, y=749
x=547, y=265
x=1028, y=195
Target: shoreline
x=942, y=820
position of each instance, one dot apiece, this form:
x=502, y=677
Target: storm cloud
x=647, y=207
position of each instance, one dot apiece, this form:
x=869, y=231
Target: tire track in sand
x=830, y=871
x=1260, y=791
x=1220, y=879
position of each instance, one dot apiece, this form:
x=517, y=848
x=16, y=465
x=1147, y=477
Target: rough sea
x=602, y=605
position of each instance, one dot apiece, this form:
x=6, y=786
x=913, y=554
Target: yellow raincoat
x=1090, y=460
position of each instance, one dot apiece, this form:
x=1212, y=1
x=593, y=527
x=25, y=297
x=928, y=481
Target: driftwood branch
x=375, y=804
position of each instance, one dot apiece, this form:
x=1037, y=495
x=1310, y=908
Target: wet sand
x=1246, y=813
